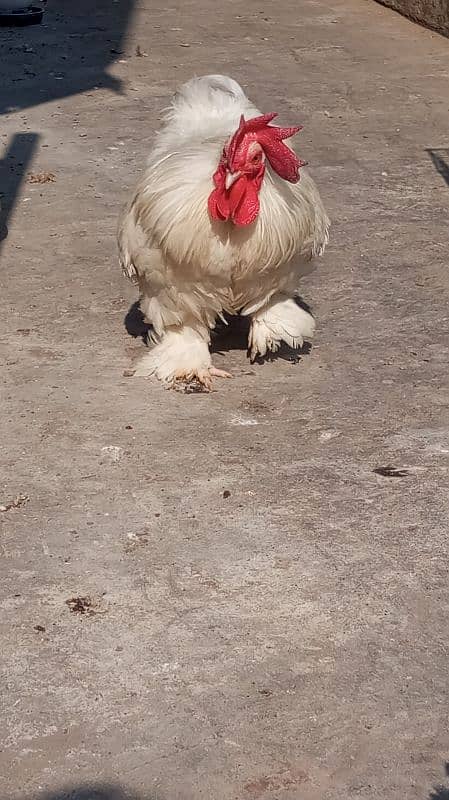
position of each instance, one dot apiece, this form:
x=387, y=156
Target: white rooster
x=220, y=222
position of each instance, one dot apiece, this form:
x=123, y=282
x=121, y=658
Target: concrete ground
x=217, y=596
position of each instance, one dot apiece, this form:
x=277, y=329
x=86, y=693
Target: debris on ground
x=189, y=387
x=112, y=452
x=80, y=605
x=41, y=177
x=391, y=472
x=20, y=500
x=135, y=540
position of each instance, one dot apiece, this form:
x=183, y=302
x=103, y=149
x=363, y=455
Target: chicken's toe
x=219, y=373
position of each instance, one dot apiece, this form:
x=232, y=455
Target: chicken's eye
x=256, y=158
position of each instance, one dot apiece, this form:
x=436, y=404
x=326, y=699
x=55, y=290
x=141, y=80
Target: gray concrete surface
x=288, y=641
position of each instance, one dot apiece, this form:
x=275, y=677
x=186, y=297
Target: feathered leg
x=281, y=321
x=181, y=355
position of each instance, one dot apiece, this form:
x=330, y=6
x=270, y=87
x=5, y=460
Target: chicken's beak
x=231, y=177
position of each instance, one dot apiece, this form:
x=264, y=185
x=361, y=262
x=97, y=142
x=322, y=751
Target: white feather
x=282, y=321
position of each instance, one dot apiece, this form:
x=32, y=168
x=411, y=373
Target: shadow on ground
x=226, y=336
x=441, y=792
x=440, y=160
x=68, y=54
x=13, y=167
x=94, y=791
x=98, y=791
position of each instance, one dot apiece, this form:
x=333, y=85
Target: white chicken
x=221, y=221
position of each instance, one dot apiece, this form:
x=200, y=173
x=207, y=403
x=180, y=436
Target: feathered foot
x=282, y=321
x=181, y=356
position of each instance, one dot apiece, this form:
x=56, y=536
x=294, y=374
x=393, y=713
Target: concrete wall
x=432, y=13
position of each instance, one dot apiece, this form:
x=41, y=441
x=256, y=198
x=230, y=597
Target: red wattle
x=246, y=211
x=240, y=203
x=236, y=193
x=213, y=206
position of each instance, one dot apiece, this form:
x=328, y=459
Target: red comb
x=283, y=160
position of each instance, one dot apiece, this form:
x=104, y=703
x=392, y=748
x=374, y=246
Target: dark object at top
x=29, y=16
x=433, y=14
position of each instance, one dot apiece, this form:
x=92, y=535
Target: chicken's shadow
x=226, y=336
x=135, y=324
x=233, y=335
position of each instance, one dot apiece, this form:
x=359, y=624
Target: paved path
x=287, y=641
